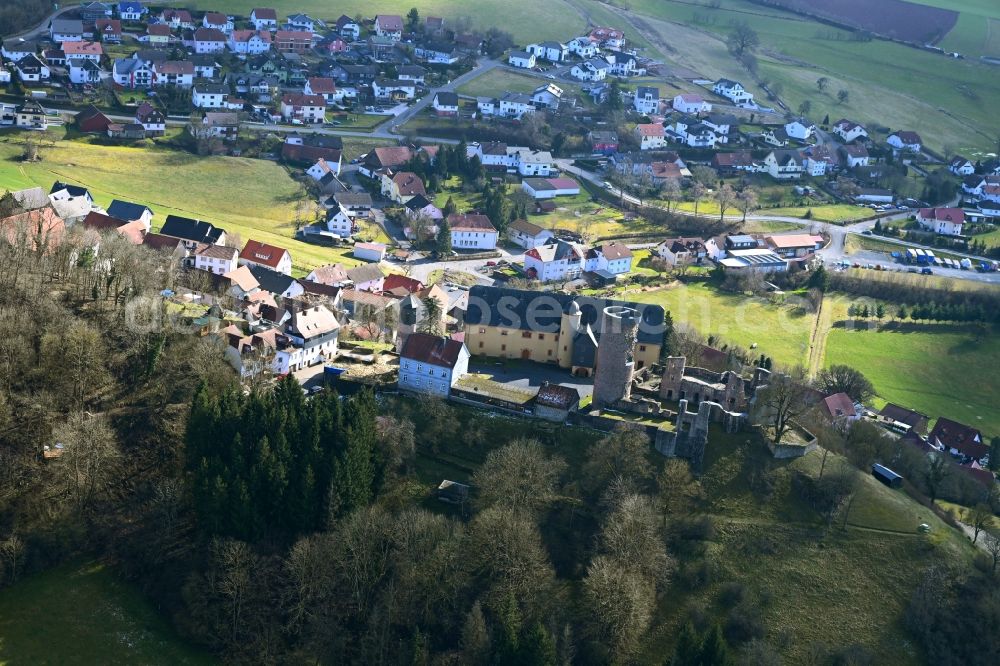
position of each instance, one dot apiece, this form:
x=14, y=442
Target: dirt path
x=817, y=338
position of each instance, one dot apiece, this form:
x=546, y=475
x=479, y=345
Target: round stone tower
x=615, y=355
x=569, y=325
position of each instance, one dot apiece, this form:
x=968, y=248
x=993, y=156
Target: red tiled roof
x=839, y=405
x=470, y=222
x=956, y=215
x=396, y=281
x=262, y=253
x=321, y=85
x=958, y=436
x=301, y=99
x=432, y=350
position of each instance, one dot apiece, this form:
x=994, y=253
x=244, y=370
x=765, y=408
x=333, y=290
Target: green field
x=936, y=369
x=249, y=197
x=834, y=213
x=82, y=614
x=525, y=19
x=781, y=332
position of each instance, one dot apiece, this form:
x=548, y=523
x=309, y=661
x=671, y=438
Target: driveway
x=526, y=374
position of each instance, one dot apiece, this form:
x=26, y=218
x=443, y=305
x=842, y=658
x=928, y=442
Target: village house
x=157, y=35
x=151, y=119
x=550, y=188
x=961, y=166
x=209, y=96
x=367, y=277
x=414, y=73
x=961, y=441
x=734, y=92
x=401, y=186
x=784, y=164
x=389, y=26
x=324, y=87
x=264, y=19
x=30, y=115
x=527, y=234
x=14, y=50
x=217, y=259
x=348, y=28
x=223, y=125
x=550, y=51
x=690, y=104
x=623, y=64
x=303, y=108
x=255, y=253
x=209, y=40
x=85, y=71
x=905, y=141
x=66, y=30
x=131, y=10
x=445, y=103
x=108, y=31
x=910, y=420
x=944, y=221
x=650, y=136
x=432, y=364
x=800, y=129
x=615, y=258
x=357, y=204
x=646, y=100
x=132, y=73
x=249, y=42
x=583, y=47
x=339, y=222
x=849, y=131
x=321, y=167
x=177, y=19
x=302, y=23
x=735, y=162
x=384, y=157
x=472, y=232
x=681, y=251
x=193, y=232
x=611, y=38
x=547, y=96
x=839, y=409
x=521, y=59
x=595, y=69
x=855, y=155
x=32, y=70
x=393, y=89
x=604, y=142
x=173, y=73
x=293, y=41
x=554, y=260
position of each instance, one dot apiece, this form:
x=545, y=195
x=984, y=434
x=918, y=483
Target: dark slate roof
x=74, y=190
x=271, y=281
x=447, y=98
x=192, y=230
x=557, y=396
x=509, y=308
x=126, y=210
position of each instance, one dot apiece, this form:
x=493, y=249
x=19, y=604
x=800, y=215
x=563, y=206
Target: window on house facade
x=526, y=334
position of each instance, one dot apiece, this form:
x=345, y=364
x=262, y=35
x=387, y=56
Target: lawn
x=937, y=369
x=496, y=81
x=250, y=198
x=781, y=332
x=525, y=19
x=82, y=614
x=833, y=213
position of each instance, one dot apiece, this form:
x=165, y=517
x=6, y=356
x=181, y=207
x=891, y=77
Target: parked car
x=926, y=271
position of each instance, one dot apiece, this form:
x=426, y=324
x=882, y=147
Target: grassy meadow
x=249, y=197
x=82, y=614
x=780, y=331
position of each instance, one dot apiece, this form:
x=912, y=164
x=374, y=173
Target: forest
x=274, y=528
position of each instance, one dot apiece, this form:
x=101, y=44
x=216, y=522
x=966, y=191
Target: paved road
x=388, y=130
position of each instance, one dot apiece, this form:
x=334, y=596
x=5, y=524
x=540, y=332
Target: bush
x=743, y=624
x=732, y=593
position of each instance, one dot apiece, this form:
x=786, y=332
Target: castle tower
x=735, y=396
x=568, y=327
x=615, y=355
x=673, y=375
